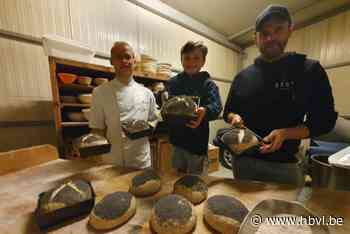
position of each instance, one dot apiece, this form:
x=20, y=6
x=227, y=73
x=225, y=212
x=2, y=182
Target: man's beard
x=273, y=51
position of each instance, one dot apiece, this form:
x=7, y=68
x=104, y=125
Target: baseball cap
x=272, y=10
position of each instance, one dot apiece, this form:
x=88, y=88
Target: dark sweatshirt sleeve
x=232, y=100
x=169, y=86
x=213, y=101
x=321, y=116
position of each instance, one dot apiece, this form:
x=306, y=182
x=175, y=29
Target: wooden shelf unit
x=65, y=129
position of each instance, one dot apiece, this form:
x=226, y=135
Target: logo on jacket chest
x=284, y=85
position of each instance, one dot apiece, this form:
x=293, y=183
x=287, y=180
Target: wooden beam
x=27, y=157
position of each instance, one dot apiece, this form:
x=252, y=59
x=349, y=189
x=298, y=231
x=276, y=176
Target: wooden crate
x=213, y=157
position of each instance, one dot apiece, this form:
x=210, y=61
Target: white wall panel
x=25, y=80
x=103, y=62
x=100, y=23
x=158, y=38
x=340, y=81
x=250, y=54
x=336, y=35
x=35, y=17
x=24, y=70
x=224, y=89
x=346, y=44
x=232, y=68
x=296, y=42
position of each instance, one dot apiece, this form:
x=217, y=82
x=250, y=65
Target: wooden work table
x=19, y=192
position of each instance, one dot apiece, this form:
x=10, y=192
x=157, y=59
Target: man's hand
x=275, y=140
x=235, y=120
x=201, y=111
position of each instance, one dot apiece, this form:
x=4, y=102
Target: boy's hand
x=201, y=111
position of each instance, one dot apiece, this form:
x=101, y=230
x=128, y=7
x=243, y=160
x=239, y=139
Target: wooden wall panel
x=16, y=138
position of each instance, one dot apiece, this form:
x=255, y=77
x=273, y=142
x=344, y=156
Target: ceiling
x=235, y=18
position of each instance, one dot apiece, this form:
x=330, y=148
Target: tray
x=139, y=134
x=63, y=216
x=94, y=150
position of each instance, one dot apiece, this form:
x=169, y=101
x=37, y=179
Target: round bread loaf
x=173, y=214
x=113, y=210
x=68, y=194
x=224, y=214
x=146, y=183
x=192, y=187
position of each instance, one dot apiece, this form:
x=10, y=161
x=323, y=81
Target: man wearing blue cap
x=282, y=96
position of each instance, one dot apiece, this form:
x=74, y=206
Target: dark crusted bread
x=173, y=214
x=68, y=194
x=191, y=187
x=146, y=183
x=224, y=213
x=113, y=210
x=227, y=206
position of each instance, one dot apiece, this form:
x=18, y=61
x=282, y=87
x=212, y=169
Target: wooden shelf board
x=74, y=105
x=74, y=124
x=76, y=87
x=150, y=76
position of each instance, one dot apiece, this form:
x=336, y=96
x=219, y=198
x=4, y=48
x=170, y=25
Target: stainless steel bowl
x=272, y=207
x=328, y=176
x=321, y=171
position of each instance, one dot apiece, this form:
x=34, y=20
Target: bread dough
x=145, y=184
x=68, y=194
x=113, y=210
x=173, y=214
x=192, y=187
x=224, y=214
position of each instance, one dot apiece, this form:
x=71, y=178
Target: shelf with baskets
x=72, y=85
x=76, y=87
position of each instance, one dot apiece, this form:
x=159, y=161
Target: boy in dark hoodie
x=190, y=142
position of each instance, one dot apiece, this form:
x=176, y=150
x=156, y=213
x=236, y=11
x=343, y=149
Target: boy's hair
x=192, y=45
